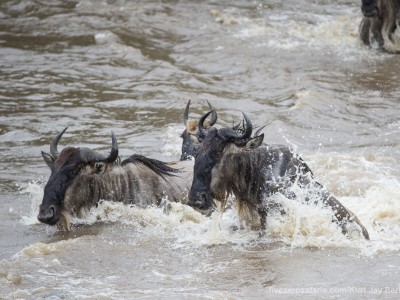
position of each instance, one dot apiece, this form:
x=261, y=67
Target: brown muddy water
x=295, y=66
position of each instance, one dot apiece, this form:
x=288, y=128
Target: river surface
x=295, y=66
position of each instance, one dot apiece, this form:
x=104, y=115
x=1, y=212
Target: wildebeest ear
x=48, y=159
x=253, y=143
x=191, y=126
x=194, y=138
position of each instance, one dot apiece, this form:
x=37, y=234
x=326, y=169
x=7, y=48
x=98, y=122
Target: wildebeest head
x=217, y=145
x=370, y=8
x=65, y=167
x=191, y=136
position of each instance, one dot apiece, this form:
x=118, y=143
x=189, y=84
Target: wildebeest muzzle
x=49, y=214
x=200, y=200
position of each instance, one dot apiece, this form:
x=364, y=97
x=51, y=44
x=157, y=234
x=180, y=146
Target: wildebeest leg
x=398, y=19
x=342, y=214
x=370, y=32
x=262, y=210
x=365, y=25
x=166, y=205
x=375, y=34
x=395, y=35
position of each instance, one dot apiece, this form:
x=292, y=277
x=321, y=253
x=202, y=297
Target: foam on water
x=123, y=251
x=42, y=249
x=172, y=141
x=338, y=33
x=170, y=215
x=35, y=190
x=304, y=225
x=352, y=174
x=366, y=184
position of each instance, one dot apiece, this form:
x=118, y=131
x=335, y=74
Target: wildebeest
x=191, y=136
x=379, y=27
x=81, y=177
x=233, y=162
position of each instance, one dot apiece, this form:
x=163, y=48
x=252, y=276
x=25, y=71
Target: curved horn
x=227, y=133
x=114, y=149
x=54, y=143
x=213, y=114
x=88, y=154
x=202, y=130
x=259, y=130
x=186, y=113
x=248, y=127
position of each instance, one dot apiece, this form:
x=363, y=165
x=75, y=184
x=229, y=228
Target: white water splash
x=35, y=190
x=334, y=33
x=365, y=184
x=172, y=141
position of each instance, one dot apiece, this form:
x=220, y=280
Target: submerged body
x=379, y=27
x=130, y=182
x=230, y=162
x=81, y=177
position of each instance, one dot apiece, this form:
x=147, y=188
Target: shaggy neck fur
x=137, y=180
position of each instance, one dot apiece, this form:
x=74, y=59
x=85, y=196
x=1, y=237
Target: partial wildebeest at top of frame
x=81, y=177
x=191, y=136
x=380, y=26
x=232, y=162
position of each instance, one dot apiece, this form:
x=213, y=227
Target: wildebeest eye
x=74, y=172
x=216, y=154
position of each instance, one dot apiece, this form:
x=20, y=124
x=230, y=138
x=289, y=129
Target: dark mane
x=157, y=166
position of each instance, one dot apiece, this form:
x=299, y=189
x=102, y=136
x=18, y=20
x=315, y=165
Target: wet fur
x=263, y=172
x=75, y=185
x=253, y=176
x=382, y=31
x=137, y=180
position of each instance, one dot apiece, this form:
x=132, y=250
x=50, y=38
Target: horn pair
x=86, y=153
x=228, y=133
x=186, y=114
